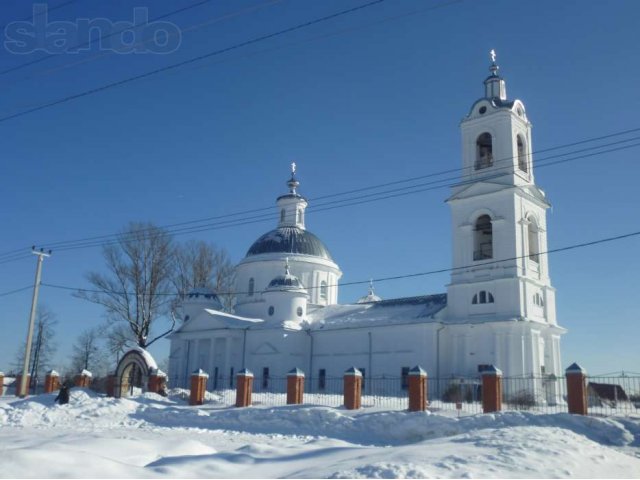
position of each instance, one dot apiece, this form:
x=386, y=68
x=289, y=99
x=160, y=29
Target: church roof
x=289, y=239
x=384, y=312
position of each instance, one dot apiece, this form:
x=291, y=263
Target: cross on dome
x=293, y=182
x=493, y=55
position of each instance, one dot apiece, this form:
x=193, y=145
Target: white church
x=498, y=309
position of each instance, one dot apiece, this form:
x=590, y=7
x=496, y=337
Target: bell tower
x=499, y=216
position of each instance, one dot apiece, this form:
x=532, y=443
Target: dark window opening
x=484, y=151
x=265, y=377
x=231, y=378
x=522, y=155
x=483, y=238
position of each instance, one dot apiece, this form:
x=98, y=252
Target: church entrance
x=132, y=373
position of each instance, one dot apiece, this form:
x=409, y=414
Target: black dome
x=290, y=240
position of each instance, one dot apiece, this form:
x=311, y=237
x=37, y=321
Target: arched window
x=282, y=214
x=483, y=238
x=534, y=243
x=323, y=290
x=252, y=285
x=522, y=154
x=482, y=297
x=484, y=151
x=300, y=216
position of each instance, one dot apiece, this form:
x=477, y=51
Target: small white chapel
x=498, y=309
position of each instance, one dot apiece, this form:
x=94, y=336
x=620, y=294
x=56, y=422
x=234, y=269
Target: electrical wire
x=407, y=190
x=479, y=264
x=187, y=62
x=103, y=37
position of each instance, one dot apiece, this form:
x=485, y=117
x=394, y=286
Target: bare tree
x=43, y=347
x=135, y=291
x=86, y=352
x=201, y=264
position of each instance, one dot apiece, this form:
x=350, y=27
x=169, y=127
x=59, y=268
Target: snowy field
x=152, y=436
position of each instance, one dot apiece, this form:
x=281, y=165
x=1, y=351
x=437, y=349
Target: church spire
x=292, y=205
x=494, y=85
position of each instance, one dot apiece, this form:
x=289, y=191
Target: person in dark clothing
x=63, y=395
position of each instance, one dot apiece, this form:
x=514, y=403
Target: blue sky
x=366, y=98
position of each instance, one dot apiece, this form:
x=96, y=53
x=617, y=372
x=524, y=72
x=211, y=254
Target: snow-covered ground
x=152, y=436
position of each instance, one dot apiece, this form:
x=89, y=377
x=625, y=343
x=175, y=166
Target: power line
x=330, y=205
x=17, y=290
x=323, y=207
x=103, y=37
x=49, y=9
x=389, y=278
x=182, y=31
x=189, y=61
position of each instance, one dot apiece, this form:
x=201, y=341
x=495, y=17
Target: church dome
x=287, y=239
x=204, y=296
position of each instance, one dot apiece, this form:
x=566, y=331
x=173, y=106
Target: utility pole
x=34, y=304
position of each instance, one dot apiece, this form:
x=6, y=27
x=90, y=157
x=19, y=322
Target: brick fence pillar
x=1, y=383
x=244, y=388
x=83, y=379
x=198, y=387
x=157, y=382
x=51, y=381
x=417, y=389
x=111, y=385
x=18, y=384
x=491, y=390
x=576, y=389
x=352, y=389
x=295, y=386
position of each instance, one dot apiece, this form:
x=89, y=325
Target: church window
x=271, y=310
x=482, y=297
x=482, y=110
x=265, y=377
x=534, y=245
x=483, y=238
x=300, y=216
x=404, y=375
x=522, y=154
x=323, y=290
x=299, y=311
x=322, y=379
x=252, y=285
x=538, y=300
x=484, y=151
x=231, y=377
x=282, y=214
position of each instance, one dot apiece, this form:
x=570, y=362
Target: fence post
x=417, y=389
x=83, y=379
x=576, y=389
x=18, y=384
x=352, y=389
x=244, y=388
x=157, y=382
x=1, y=383
x=51, y=381
x=491, y=389
x=198, y=387
x=295, y=386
